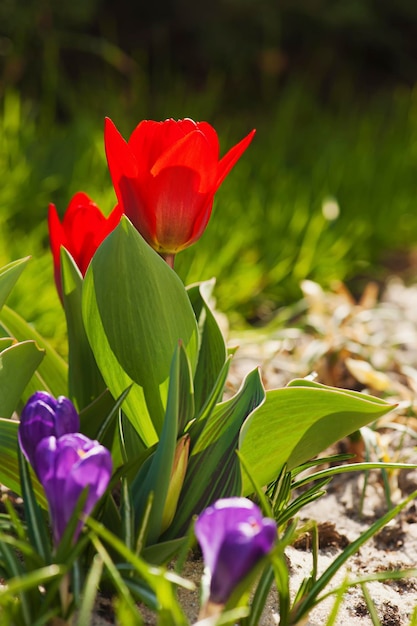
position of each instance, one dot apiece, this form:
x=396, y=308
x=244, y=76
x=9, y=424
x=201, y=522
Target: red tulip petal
x=193, y=152
x=231, y=158
x=120, y=158
x=178, y=207
x=56, y=232
x=57, y=239
x=211, y=136
x=151, y=139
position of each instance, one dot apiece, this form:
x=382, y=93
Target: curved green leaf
x=212, y=353
x=9, y=275
x=17, y=366
x=297, y=422
x=135, y=311
x=9, y=466
x=52, y=373
x=85, y=382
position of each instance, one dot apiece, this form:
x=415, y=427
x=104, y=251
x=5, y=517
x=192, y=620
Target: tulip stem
x=169, y=258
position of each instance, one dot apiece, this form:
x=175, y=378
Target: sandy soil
x=369, y=345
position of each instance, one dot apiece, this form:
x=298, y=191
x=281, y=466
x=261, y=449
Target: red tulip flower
x=165, y=178
x=81, y=232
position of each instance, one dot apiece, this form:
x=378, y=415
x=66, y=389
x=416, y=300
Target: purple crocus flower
x=233, y=536
x=43, y=416
x=65, y=467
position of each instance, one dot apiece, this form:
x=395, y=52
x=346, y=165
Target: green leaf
x=159, y=473
x=9, y=275
x=52, y=373
x=213, y=469
x=135, y=311
x=96, y=415
x=212, y=353
x=85, y=382
x=9, y=466
x=299, y=421
x=17, y=366
x=37, y=527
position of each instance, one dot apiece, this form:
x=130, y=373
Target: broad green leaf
x=298, y=422
x=212, y=353
x=135, y=311
x=9, y=466
x=52, y=373
x=17, y=366
x=85, y=382
x=213, y=470
x=9, y=275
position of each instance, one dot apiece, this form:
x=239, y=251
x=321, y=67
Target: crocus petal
x=93, y=470
x=240, y=551
x=66, y=417
x=42, y=416
x=233, y=537
x=217, y=520
x=66, y=466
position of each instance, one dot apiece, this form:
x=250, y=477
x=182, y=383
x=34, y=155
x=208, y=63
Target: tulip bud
x=179, y=468
x=165, y=178
x=81, y=231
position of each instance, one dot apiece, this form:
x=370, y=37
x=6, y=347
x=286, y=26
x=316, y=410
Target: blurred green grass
x=269, y=228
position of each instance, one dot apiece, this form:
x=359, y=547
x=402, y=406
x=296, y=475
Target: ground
x=369, y=345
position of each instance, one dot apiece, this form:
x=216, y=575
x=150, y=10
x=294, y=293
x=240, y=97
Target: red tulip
x=165, y=178
x=81, y=232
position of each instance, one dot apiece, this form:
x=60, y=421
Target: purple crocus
x=233, y=536
x=43, y=416
x=65, y=467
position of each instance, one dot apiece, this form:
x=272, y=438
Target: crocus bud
x=165, y=178
x=65, y=467
x=179, y=469
x=81, y=231
x=43, y=416
x=233, y=537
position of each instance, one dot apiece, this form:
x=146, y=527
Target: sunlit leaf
x=135, y=311
x=51, y=375
x=9, y=275
x=213, y=469
x=159, y=473
x=9, y=466
x=85, y=382
x=299, y=421
x=212, y=352
x=18, y=363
